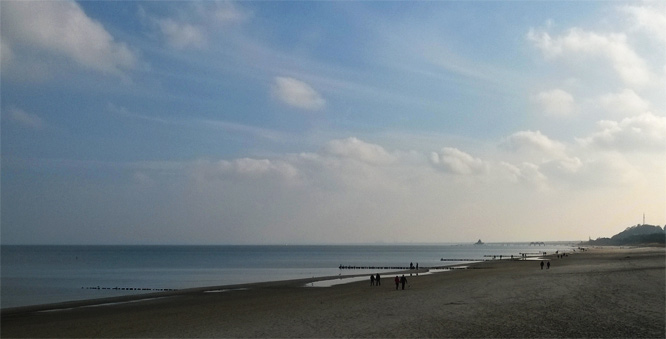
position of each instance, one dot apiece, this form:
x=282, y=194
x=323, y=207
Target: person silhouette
x=403, y=281
x=397, y=282
x=378, y=280
x=541, y=264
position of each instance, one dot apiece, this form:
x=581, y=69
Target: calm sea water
x=33, y=275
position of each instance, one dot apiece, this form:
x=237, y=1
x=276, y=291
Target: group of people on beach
x=547, y=265
x=559, y=256
x=376, y=280
x=402, y=280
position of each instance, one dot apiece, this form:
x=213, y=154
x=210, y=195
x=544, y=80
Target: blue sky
x=156, y=122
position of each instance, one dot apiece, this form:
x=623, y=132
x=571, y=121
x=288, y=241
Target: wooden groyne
x=128, y=288
x=351, y=267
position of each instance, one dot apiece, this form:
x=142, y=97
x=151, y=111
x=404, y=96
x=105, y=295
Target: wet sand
x=604, y=292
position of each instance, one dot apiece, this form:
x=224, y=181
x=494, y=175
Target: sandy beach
x=602, y=292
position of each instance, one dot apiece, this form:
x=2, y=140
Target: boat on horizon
x=479, y=242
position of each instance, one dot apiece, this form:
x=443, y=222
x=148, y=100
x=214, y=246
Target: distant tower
x=643, y=218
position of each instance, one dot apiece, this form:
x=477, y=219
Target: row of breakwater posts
x=128, y=288
x=522, y=256
x=488, y=257
x=402, y=268
x=352, y=267
x=491, y=257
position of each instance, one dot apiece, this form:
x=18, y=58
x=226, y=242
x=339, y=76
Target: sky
x=332, y=122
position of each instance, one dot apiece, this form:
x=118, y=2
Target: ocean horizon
x=42, y=274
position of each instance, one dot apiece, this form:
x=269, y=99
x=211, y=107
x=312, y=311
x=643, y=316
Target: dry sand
x=605, y=292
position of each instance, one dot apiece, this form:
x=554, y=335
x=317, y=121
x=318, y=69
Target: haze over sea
x=47, y=274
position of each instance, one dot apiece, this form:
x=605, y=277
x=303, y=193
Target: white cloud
x=297, y=93
x=458, y=162
x=348, y=187
x=246, y=168
x=531, y=173
x=536, y=143
x=182, y=35
x=626, y=103
x=650, y=18
x=525, y=172
x=546, y=157
x=26, y=119
x=556, y=102
x=193, y=26
x=62, y=28
x=356, y=149
x=646, y=132
x=614, y=48
x=333, y=196
x=567, y=164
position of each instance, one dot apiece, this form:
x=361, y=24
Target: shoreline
x=299, y=282
x=8, y=311
x=69, y=304
x=602, y=292
x=93, y=272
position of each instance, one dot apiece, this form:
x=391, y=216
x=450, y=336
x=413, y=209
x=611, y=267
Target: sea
x=33, y=275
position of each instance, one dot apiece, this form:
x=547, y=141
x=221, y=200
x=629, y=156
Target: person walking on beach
x=403, y=281
x=541, y=264
x=378, y=280
x=372, y=280
x=397, y=282
x=548, y=265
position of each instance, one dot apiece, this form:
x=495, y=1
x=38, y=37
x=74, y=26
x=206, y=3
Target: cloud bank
x=612, y=48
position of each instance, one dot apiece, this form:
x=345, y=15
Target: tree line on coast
x=634, y=235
